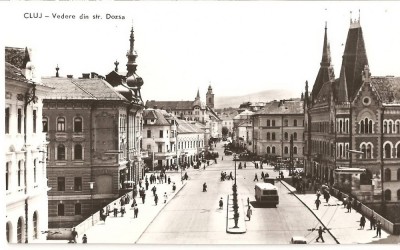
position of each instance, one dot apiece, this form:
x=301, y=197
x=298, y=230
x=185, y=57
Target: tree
x=225, y=131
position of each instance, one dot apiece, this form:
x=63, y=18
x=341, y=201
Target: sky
x=237, y=47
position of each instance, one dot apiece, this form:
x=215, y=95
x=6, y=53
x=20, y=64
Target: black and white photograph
x=201, y=123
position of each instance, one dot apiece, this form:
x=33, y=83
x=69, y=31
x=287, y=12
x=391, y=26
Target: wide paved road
x=193, y=217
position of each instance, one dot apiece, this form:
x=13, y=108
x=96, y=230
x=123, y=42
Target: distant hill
x=263, y=96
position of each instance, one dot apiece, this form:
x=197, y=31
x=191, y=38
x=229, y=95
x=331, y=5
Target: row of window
x=61, y=183
x=161, y=133
x=19, y=120
x=20, y=173
x=61, y=152
x=391, y=127
x=271, y=150
x=271, y=123
x=272, y=136
x=61, y=209
x=388, y=174
x=61, y=121
x=388, y=195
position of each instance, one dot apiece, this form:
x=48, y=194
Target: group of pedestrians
x=224, y=176
x=263, y=176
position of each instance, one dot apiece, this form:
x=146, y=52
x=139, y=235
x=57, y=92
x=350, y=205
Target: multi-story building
x=190, y=141
x=227, y=121
x=25, y=160
x=352, y=125
x=193, y=111
x=275, y=125
x=241, y=118
x=159, y=138
x=94, y=130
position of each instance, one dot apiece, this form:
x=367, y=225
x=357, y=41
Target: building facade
x=94, y=132
x=275, y=125
x=352, y=140
x=25, y=161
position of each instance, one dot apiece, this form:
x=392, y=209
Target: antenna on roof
x=350, y=16
x=359, y=15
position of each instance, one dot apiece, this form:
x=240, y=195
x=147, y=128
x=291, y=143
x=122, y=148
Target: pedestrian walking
x=362, y=222
x=156, y=199
x=372, y=222
x=135, y=211
x=378, y=229
x=122, y=210
x=143, y=197
x=165, y=197
x=320, y=231
x=221, y=203
x=173, y=187
x=349, y=207
x=169, y=180
x=84, y=239
x=317, y=203
x=165, y=178
x=115, y=209
x=154, y=189
x=147, y=184
x=255, y=177
x=262, y=175
x=249, y=213
x=248, y=201
x=74, y=235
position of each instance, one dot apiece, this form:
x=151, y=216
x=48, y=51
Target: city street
x=193, y=216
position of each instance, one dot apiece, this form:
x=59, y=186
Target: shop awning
x=350, y=170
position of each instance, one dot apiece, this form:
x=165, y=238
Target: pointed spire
x=131, y=65
x=342, y=95
x=198, y=94
x=57, y=69
x=326, y=53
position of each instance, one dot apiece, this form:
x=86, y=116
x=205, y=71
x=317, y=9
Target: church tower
x=210, y=97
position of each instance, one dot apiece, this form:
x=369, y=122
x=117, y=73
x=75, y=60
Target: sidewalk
x=128, y=229
x=344, y=226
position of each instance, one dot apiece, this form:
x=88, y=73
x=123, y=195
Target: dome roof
x=134, y=81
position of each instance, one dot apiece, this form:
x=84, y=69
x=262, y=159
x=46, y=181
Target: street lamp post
x=91, y=184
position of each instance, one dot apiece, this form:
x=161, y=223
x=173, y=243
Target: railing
x=393, y=228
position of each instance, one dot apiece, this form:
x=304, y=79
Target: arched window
x=8, y=232
x=286, y=136
x=45, y=124
x=268, y=150
x=398, y=151
x=35, y=226
x=78, y=208
x=398, y=127
x=362, y=127
x=385, y=129
x=295, y=136
x=78, y=125
x=388, y=174
x=286, y=150
x=347, y=125
x=388, y=195
x=61, y=152
x=273, y=136
x=366, y=126
x=19, y=231
x=295, y=122
x=60, y=209
x=273, y=149
x=369, y=151
x=268, y=136
x=61, y=124
x=295, y=150
x=78, y=152
x=388, y=150
x=390, y=128
x=370, y=126
x=364, y=150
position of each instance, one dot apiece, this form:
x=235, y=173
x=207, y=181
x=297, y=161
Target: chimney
x=69, y=76
x=94, y=75
x=85, y=75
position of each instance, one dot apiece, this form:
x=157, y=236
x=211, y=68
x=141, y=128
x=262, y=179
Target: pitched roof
x=81, y=89
x=173, y=105
x=14, y=73
x=354, y=58
x=157, y=115
x=341, y=93
x=388, y=89
x=187, y=127
x=283, y=107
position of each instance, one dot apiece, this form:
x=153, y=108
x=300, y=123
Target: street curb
x=242, y=215
x=184, y=184
x=284, y=184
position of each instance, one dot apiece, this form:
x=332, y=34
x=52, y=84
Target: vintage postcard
x=211, y=123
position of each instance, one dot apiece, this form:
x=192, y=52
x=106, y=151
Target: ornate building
x=352, y=125
x=25, y=161
x=94, y=129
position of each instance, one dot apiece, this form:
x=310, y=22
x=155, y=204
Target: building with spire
x=94, y=131
x=195, y=110
x=352, y=127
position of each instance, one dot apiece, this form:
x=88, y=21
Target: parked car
x=298, y=240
